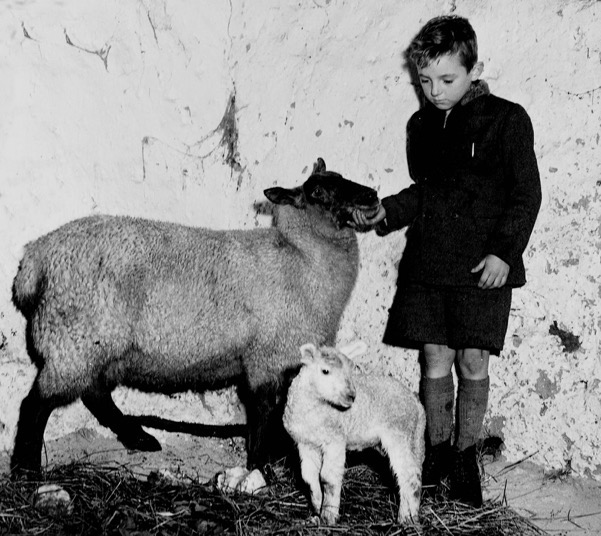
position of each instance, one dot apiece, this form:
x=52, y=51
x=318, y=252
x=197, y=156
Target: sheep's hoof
x=20, y=472
x=140, y=441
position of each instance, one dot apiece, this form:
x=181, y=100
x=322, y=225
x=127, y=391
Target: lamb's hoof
x=140, y=441
x=313, y=521
x=328, y=519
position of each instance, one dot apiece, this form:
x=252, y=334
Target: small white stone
x=252, y=483
x=228, y=480
x=52, y=499
x=240, y=479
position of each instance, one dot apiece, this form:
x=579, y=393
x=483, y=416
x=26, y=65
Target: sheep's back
x=104, y=287
x=150, y=276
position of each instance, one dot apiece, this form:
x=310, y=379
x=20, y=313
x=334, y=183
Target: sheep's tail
x=29, y=284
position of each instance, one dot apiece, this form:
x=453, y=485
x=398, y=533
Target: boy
x=470, y=212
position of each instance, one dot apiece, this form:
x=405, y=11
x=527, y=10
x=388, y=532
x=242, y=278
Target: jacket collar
x=478, y=88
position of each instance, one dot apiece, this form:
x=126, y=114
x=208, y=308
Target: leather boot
x=464, y=479
x=436, y=469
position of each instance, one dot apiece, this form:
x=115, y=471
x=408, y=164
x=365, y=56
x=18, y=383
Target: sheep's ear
x=286, y=196
x=354, y=349
x=308, y=353
x=319, y=166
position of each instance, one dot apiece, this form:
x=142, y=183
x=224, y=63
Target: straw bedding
x=115, y=500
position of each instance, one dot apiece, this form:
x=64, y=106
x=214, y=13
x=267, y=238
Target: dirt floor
x=560, y=504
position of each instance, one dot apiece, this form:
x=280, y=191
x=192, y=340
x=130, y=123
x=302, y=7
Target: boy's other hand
x=494, y=272
x=361, y=220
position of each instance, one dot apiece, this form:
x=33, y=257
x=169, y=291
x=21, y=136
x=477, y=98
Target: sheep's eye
x=319, y=193
x=325, y=371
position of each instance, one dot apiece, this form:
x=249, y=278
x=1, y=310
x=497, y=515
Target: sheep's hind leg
x=35, y=410
x=131, y=434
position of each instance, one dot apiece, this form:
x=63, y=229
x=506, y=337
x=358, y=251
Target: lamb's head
x=331, y=193
x=330, y=373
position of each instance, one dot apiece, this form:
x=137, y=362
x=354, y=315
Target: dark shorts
x=458, y=317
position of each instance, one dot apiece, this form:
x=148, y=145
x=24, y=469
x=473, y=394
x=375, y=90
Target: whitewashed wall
x=186, y=111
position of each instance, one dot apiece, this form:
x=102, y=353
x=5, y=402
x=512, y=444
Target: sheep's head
x=331, y=375
x=331, y=192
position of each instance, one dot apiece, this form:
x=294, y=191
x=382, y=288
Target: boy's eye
x=448, y=81
x=424, y=81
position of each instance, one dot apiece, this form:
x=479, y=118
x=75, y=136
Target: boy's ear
x=476, y=71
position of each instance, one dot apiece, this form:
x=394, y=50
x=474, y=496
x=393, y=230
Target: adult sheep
x=166, y=308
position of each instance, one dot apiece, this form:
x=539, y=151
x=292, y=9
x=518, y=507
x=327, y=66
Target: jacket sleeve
x=402, y=208
x=513, y=230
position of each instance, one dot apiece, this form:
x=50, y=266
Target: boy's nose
x=436, y=90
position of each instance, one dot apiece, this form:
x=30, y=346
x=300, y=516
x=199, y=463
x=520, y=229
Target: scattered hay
x=114, y=500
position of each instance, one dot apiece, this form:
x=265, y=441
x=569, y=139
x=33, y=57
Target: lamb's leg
x=311, y=461
x=101, y=405
x=35, y=410
x=332, y=472
x=408, y=473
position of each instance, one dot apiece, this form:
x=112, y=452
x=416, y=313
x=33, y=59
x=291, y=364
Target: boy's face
x=445, y=81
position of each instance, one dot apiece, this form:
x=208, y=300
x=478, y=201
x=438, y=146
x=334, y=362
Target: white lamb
x=331, y=409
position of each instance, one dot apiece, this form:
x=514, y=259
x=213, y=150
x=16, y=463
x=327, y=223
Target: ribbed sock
x=472, y=401
x=438, y=397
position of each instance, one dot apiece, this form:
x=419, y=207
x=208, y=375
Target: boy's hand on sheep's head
x=361, y=219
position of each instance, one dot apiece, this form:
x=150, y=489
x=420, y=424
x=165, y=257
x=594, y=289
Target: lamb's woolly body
x=384, y=413
x=380, y=405
x=165, y=308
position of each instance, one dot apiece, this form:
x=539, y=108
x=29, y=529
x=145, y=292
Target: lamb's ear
x=354, y=349
x=319, y=166
x=308, y=353
x=286, y=196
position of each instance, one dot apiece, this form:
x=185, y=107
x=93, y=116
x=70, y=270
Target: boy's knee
x=438, y=360
x=473, y=363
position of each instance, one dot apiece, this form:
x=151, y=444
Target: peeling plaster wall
x=186, y=111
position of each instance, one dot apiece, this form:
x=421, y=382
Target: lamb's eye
x=325, y=371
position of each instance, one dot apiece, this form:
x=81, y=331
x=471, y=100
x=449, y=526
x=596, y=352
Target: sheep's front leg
x=267, y=438
x=332, y=472
x=408, y=472
x=311, y=461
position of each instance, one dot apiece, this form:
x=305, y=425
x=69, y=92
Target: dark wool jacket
x=476, y=191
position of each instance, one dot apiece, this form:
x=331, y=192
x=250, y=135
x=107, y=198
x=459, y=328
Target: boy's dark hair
x=447, y=34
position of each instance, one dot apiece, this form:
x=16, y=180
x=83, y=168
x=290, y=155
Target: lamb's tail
x=29, y=284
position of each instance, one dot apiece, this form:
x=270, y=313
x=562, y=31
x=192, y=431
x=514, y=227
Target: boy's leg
x=438, y=397
x=472, y=401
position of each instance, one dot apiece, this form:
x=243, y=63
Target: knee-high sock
x=438, y=397
x=472, y=400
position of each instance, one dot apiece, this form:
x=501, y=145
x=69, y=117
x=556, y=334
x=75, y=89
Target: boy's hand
x=361, y=220
x=494, y=272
